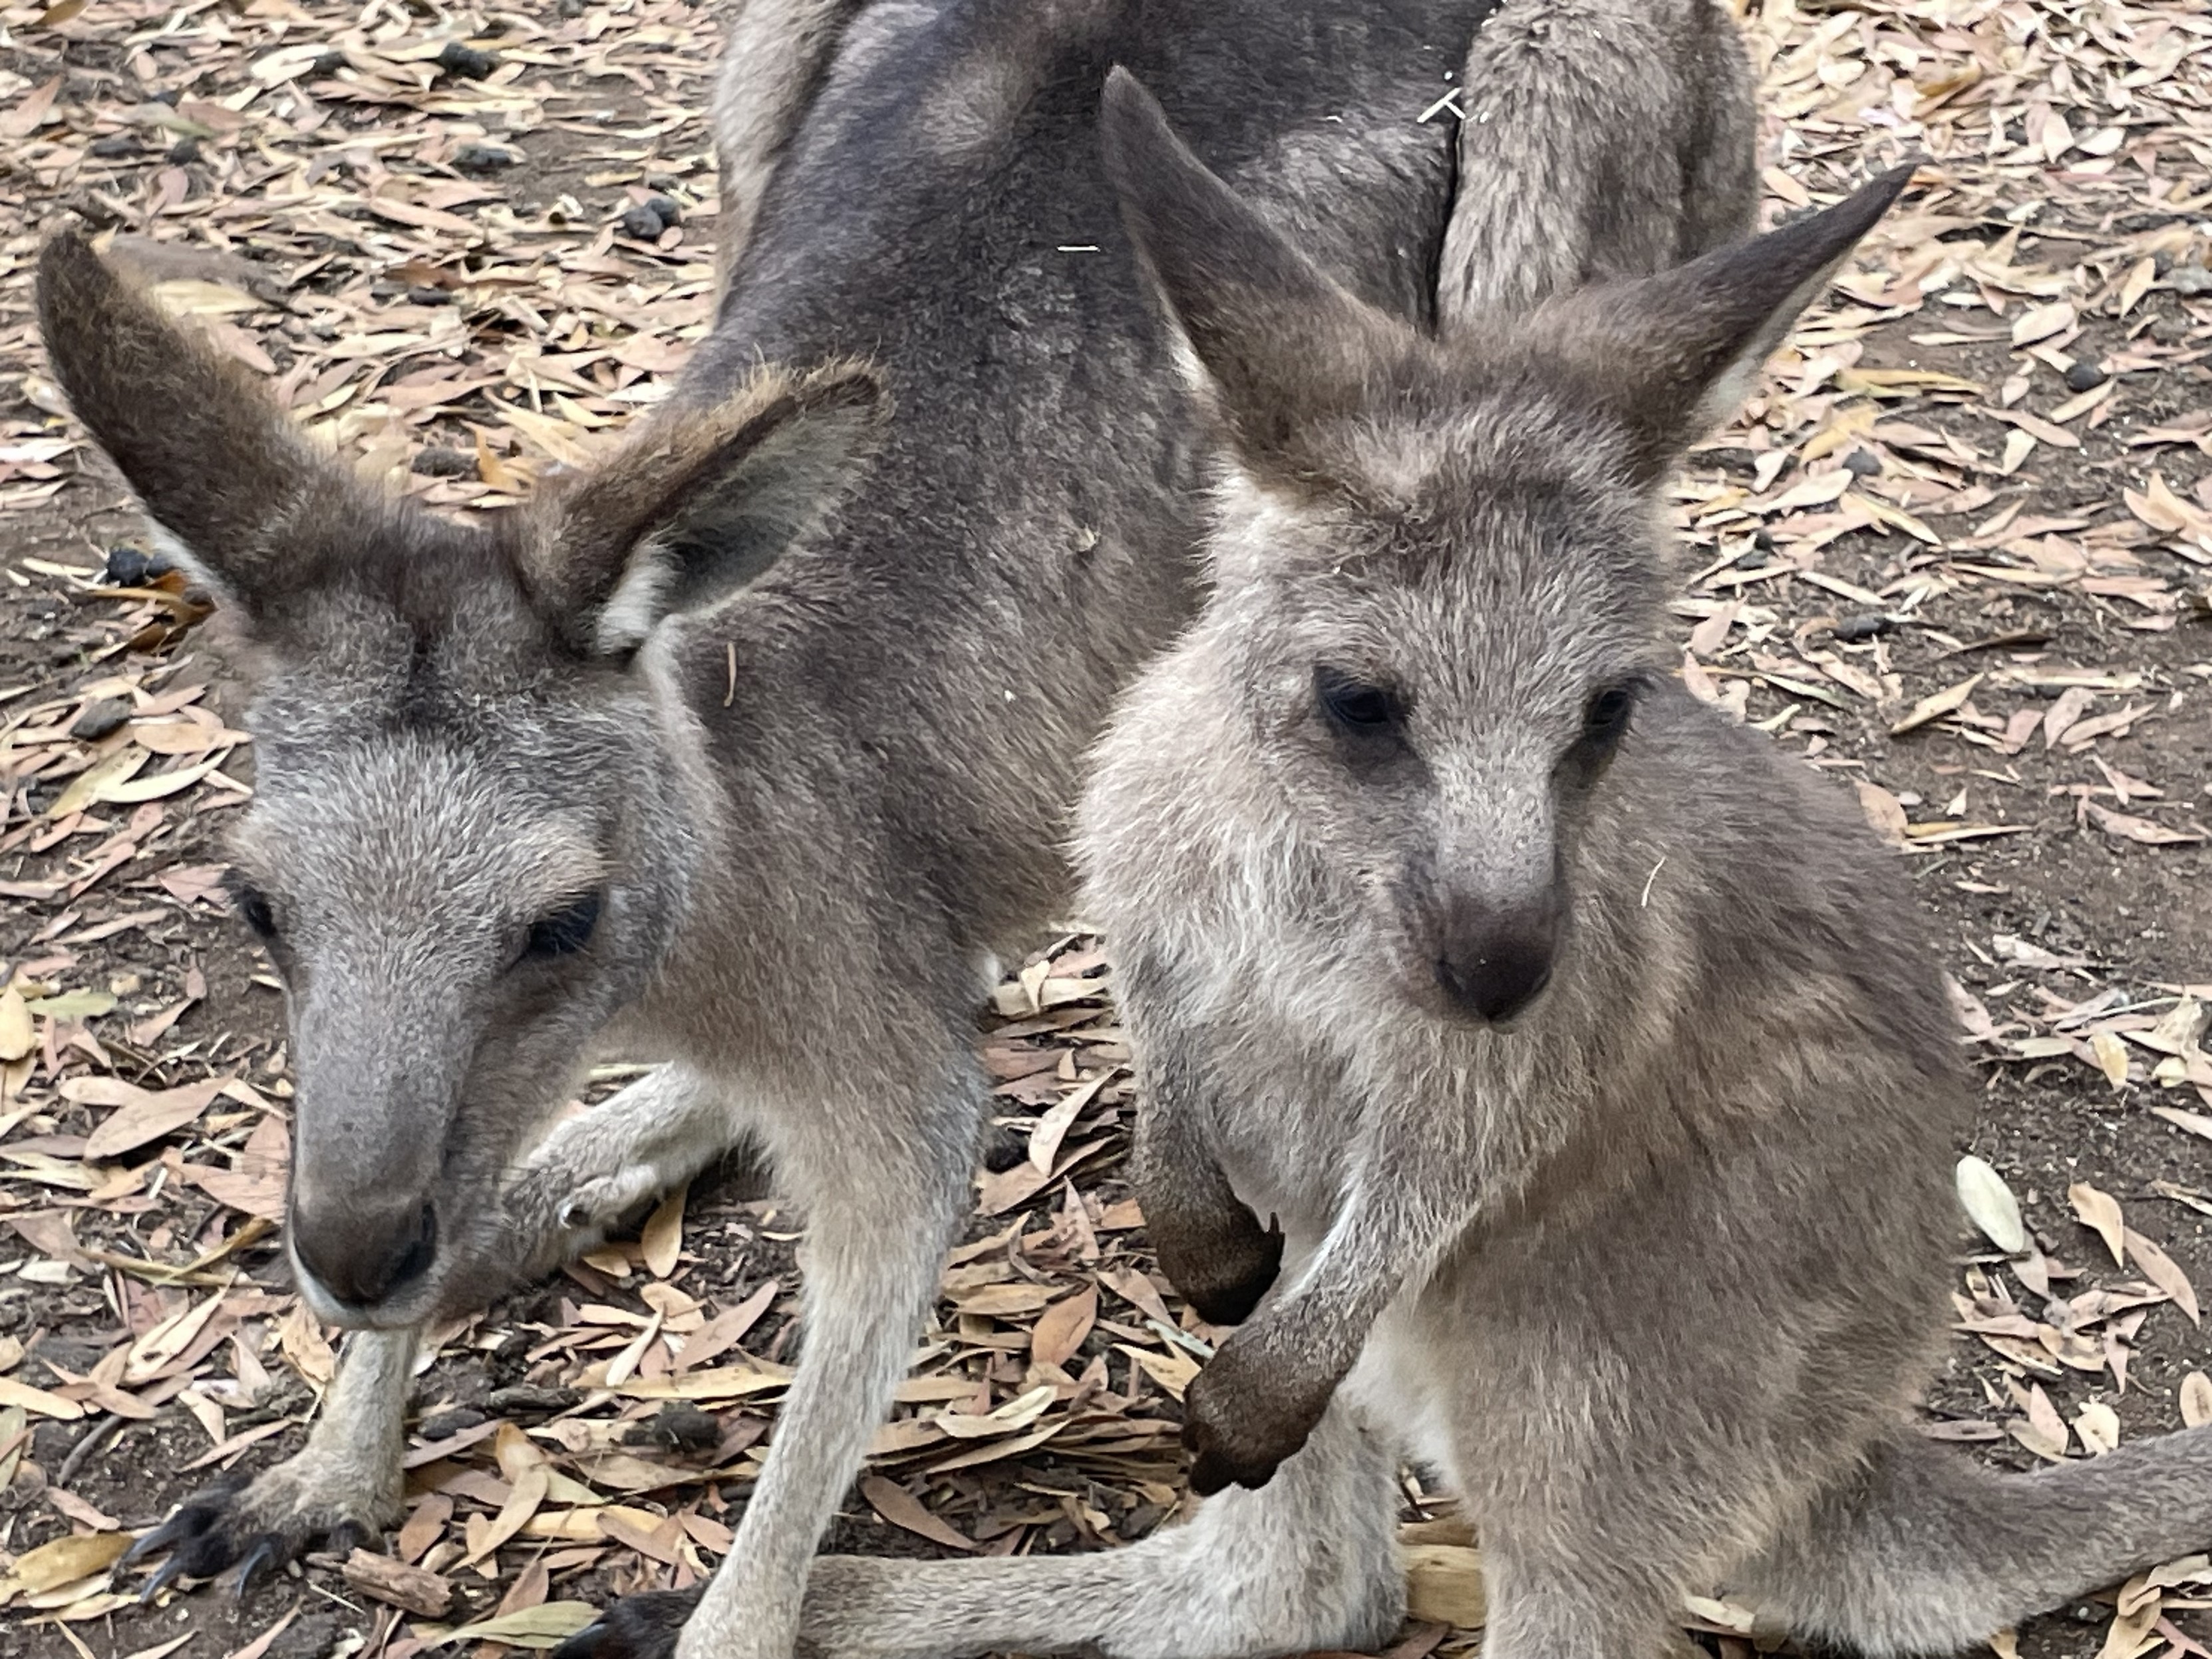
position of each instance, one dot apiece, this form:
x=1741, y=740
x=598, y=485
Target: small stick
x=87, y=1444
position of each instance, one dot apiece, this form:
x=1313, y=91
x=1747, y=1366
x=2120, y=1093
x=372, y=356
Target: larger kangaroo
x=746, y=750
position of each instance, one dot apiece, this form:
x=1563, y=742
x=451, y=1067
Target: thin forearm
x=1391, y=1232
x=1211, y=1245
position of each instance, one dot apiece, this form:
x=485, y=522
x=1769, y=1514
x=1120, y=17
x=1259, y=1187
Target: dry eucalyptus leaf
x=662, y=1240
x=1990, y=1205
x=1444, y=1585
x=1934, y=705
x=2100, y=1211
x=16, y=1034
x=546, y=1626
x=65, y=1560
x=2112, y=1057
x=2098, y=1427
x=2195, y=1400
x=2163, y=1271
x=903, y=1510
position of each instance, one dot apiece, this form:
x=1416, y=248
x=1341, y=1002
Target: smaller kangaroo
x=1584, y=1047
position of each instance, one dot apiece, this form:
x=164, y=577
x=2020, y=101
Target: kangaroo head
x=479, y=798
x=1439, y=589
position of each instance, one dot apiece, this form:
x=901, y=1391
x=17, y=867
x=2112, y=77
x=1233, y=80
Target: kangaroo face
x=480, y=798
x=1438, y=667
x=462, y=862
x=1436, y=591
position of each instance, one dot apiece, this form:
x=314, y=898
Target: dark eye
x=252, y=904
x=566, y=931
x=1354, y=704
x=1607, y=717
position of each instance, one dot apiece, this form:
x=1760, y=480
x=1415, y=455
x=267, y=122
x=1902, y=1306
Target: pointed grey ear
x=698, y=504
x=224, y=475
x=1275, y=341
x=1673, y=355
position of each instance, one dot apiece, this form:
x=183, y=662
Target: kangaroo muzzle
x=1492, y=962
x=361, y=1250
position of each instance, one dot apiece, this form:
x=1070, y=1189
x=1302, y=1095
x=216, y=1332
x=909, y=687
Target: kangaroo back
x=1602, y=138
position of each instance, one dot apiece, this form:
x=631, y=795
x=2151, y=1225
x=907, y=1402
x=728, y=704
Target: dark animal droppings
x=100, y=718
x=445, y=463
x=1863, y=626
x=642, y=222
x=133, y=566
x=486, y=158
x=466, y=61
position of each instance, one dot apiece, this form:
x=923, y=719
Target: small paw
x=635, y=1627
x=1223, y=1269
x=608, y=1201
x=1243, y=1416
x=246, y=1525
x=552, y=1196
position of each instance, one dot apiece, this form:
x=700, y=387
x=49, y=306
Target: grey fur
x=775, y=53
x=1651, y=1272
x=1600, y=139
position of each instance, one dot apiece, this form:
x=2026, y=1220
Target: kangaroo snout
x=361, y=1251
x=1493, y=962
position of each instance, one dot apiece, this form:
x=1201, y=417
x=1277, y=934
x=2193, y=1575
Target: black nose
x=1495, y=971
x=363, y=1254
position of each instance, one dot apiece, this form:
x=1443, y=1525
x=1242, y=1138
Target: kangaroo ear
x=1675, y=354
x=1272, y=340
x=222, y=472
x=698, y=504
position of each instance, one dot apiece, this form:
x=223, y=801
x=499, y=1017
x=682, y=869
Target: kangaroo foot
x=243, y=1524
x=636, y=1627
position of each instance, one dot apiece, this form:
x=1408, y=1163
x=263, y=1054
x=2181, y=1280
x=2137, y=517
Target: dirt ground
x=1958, y=554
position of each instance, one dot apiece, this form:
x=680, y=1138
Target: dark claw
x=212, y=1533
x=161, y=1538
x=171, y=1569
x=195, y=1515
x=267, y=1551
x=346, y=1537
x=635, y=1627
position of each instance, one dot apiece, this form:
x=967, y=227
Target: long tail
x=1928, y=1551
